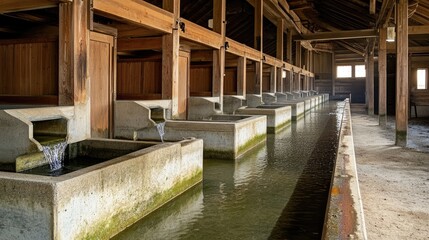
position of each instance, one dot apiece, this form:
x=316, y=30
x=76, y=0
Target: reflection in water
x=243, y=199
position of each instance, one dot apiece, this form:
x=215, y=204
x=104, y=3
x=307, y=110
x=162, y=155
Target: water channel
x=277, y=191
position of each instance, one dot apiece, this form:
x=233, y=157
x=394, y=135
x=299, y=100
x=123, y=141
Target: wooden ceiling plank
x=7, y=6
x=349, y=34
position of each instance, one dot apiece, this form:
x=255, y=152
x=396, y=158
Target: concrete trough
x=98, y=201
x=225, y=136
x=278, y=116
x=297, y=108
x=344, y=216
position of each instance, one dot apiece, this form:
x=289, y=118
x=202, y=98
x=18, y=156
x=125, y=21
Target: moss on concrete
x=122, y=219
x=279, y=127
x=250, y=144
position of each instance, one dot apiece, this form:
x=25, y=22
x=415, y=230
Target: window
x=421, y=78
x=360, y=71
x=344, y=71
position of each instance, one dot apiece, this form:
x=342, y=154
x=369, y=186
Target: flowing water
x=54, y=153
x=277, y=191
x=160, y=128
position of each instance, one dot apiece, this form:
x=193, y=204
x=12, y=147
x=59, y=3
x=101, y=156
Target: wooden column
x=401, y=72
x=382, y=78
x=279, y=54
x=334, y=74
x=273, y=79
x=280, y=81
x=73, y=53
x=298, y=54
x=241, y=76
x=289, y=47
x=170, y=59
x=370, y=82
x=219, y=20
x=258, y=44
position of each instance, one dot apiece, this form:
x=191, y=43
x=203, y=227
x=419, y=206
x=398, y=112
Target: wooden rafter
x=350, y=34
x=23, y=5
x=351, y=48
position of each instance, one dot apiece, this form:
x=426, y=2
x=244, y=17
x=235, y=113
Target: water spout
x=55, y=155
x=160, y=128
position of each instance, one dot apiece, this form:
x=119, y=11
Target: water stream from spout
x=160, y=128
x=54, y=153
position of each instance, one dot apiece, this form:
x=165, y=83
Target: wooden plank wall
x=230, y=82
x=29, y=71
x=201, y=80
x=420, y=96
x=323, y=72
x=139, y=79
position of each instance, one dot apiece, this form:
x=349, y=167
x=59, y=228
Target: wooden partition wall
x=139, y=79
x=230, y=81
x=201, y=80
x=29, y=71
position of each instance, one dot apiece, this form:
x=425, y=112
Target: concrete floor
x=394, y=181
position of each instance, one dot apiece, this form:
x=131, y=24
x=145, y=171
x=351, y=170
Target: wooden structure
x=65, y=53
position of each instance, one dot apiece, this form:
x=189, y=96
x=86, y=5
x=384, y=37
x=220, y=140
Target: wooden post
x=401, y=72
x=298, y=62
x=73, y=53
x=170, y=59
x=219, y=20
x=241, y=76
x=372, y=6
x=289, y=47
x=65, y=77
x=334, y=73
x=279, y=54
x=382, y=78
x=273, y=79
x=280, y=81
x=258, y=43
x=370, y=82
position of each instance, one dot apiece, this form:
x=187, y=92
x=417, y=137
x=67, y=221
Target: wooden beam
x=401, y=72
x=382, y=78
x=24, y=5
x=415, y=30
x=297, y=61
x=351, y=48
x=280, y=80
x=349, y=34
x=243, y=50
x=133, y=44
x=65, y=60
x=372, y=6
x=195, y=33
x=273, y=79
x=136, y=12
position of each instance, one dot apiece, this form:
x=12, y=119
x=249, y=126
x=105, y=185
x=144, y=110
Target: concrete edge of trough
x=344, y=215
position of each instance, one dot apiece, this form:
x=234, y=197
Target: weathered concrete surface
x=253, y=100
x=16, y=127
x=232, y=103
x=268, y=98
x=200, y=108
x=131, y=115
x=277, y=116
x=393, y=180
x=297, y=107
x=225, y=136
x=344, y=216
x=99, y=201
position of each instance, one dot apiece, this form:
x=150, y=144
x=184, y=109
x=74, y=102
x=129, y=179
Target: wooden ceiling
x=316, y=15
